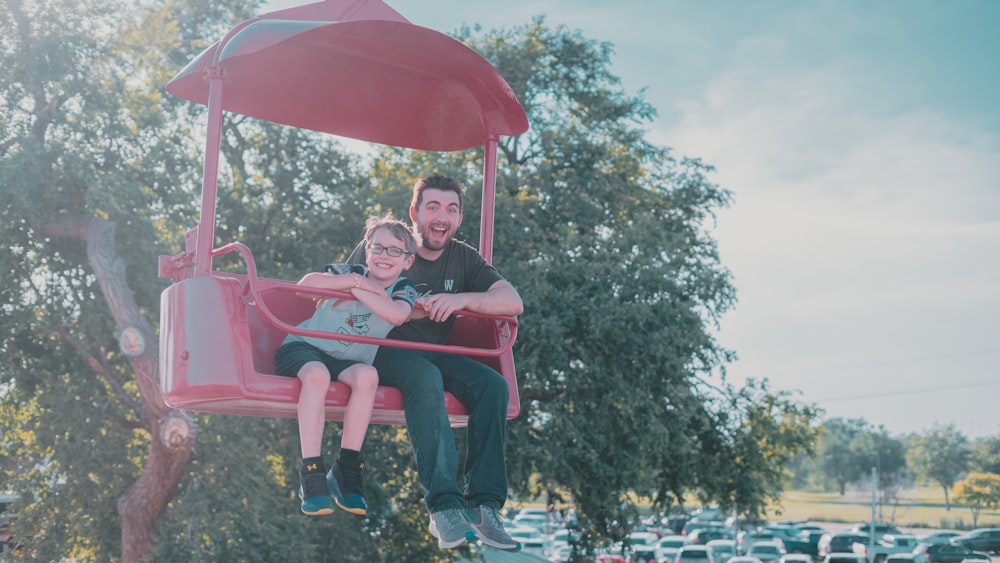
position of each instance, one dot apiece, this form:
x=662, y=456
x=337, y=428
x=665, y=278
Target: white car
x=767, y=551
x=668, y=546
x=795, y=558
x=722, y=550
x=531, y=539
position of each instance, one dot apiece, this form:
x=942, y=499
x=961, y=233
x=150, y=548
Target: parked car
x=722, y=550
x=807, y=542
x=887, y=545
x=705, y=535
x=643, y=546
x=844, y=557
x=766, y=551
x=938, y=537
x=842, y=542
x=668, y=546
x=946, y=553
x=901, y=558
x=748, y=538
x=795, y=558
x=694, y=554
x=982, y=539
x=531, y=539
x=744, y=559
x=785, y=533
x=881, y=529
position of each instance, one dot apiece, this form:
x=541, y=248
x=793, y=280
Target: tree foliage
x=841, y=460
x=941, y=455
x=978, y=491
x=604, y=234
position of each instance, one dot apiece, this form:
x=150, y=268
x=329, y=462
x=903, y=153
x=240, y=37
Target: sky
x=861, y=142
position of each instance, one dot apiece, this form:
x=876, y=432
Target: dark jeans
x=422, y=377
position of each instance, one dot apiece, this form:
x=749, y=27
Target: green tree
x=100, y=174
x=841, y=460
x=94, y=441
x=876, y=448
x=986, y=455
x=604, y=234
x=764, y=431
x=941, y=455
x=978, y=491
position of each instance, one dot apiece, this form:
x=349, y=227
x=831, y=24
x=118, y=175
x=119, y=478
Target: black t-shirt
x=459, y=269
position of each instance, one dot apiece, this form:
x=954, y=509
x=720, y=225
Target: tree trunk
x=947, y=503
x=172, y=432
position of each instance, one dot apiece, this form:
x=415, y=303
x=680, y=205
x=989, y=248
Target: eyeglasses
x=393, y=251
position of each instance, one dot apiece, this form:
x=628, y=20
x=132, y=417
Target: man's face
x=437, y=218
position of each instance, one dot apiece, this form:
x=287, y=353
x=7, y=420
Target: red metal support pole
x=206, y=224
x=489, y=197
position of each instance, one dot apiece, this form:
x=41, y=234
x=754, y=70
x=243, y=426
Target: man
x=449, y=276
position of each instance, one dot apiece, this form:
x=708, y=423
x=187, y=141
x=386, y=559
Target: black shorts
x=290, y=357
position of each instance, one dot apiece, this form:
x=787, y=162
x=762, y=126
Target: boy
x=384, y=300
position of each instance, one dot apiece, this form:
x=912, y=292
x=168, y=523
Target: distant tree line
x=967, y=471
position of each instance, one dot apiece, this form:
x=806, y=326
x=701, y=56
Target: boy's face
x=437, y=218
x=382, y=266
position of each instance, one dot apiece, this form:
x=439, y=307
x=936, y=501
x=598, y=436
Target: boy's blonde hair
x=396, y=228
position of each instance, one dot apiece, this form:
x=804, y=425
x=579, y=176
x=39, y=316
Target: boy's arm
x=395, y=311
x=327, y=280
x=500, y=299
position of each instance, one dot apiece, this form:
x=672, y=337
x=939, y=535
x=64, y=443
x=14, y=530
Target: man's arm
x=500, y=299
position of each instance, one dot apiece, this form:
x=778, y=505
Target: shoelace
x=453, y=517
x=491, y=515
x=351, y=479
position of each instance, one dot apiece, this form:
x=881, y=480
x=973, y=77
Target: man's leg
x=484, y=393
x=431, y=438
x=427, y=423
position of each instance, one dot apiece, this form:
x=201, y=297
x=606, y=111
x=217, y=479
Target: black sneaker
x=345, y=486
x=313, y=491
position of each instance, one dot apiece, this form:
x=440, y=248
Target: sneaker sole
x=470, y=537
x=352, y=510
x=501, y=546
x=334, y=488
x=320, y=512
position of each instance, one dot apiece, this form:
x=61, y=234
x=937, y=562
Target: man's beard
x=425, y=239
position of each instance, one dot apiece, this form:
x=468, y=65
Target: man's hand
x=442, y=305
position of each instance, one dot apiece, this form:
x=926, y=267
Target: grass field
x=916, y=508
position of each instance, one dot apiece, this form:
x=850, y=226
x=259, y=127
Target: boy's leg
x=315, y=379
x=344, y=479
x=363, y=381
x=297, y=359
x=315, y=494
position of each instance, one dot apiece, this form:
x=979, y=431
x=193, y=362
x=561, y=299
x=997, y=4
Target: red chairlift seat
x=354, y=69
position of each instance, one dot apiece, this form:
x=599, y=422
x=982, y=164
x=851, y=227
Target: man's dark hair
x=437, y=182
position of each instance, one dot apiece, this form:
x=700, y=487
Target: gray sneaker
x=451, y=528
x=489, y=528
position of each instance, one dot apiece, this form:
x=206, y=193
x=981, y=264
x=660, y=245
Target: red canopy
x=380, y=80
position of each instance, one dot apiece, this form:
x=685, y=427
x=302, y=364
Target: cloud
x=860, y=232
